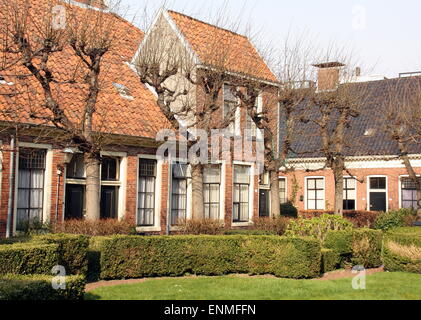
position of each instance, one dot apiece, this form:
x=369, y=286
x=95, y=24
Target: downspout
x=59, y=173
x=11, y=178
x=168, y=226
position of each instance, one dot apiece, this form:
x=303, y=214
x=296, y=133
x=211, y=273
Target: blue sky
x=383, y=33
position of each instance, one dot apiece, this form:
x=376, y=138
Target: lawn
x=382, y=286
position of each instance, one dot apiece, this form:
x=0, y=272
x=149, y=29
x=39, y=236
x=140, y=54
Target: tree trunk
x=197, y=185
x=93, y=187
x=338, y=172
x=275, y=202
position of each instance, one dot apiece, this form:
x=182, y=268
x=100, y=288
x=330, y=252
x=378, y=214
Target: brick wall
x=392, y=174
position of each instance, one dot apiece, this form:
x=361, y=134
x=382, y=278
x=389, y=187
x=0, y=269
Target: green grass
x=383, y=286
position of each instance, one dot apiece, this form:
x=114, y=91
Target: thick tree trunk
x=93, y=187
x=275, y=202
x=338, y=172
x=197, y=185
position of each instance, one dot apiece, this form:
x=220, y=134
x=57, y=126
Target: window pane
x=242, y=174
x=320, y=184
x=311, y=184
x=212, y=174
x=76, y=168
x=109, y=169
x=311, y=205
x=244, y=193
x=214, y=193
x=320, y=195
x=320, y=204
x=351, y=183
x=378, y=183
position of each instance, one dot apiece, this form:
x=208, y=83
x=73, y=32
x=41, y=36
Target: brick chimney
x=328, y=75
x=101, y=4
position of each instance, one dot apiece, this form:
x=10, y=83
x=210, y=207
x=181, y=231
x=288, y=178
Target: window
x=230, y=105
x=409, y=194
x=109, y=169
x=179, y=193
x=30, y=185
x=350, y=193
x=211, y=190
x=378, y=183
x=146, y=193
x=315, y=194
x=76, y=168
x=241, y=193
x=123, y=91
x=283, y=190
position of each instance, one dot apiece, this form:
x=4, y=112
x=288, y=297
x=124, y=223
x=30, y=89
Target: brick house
x=41, y=179
x=372, y=157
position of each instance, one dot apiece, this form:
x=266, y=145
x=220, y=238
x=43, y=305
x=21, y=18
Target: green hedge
x=28, y=258
x=331, y=260
x=250, y=233
x=356, y=247
x=72, y=251
x=401, y=251
x=39, y=287
x=123, y=257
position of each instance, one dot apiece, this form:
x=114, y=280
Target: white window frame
x=48, y=180
x=356, y=190
x=306, y=191
x=237, y=120
x=286, y=187
x=369, y=190
x=189, y=195
x=252, y=167
x=400, y=188
x=158, y=193
x=121, y=182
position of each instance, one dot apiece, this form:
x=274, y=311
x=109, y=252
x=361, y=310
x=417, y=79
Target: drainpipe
x=11, y=178
x=168, y=227
x=59, y=173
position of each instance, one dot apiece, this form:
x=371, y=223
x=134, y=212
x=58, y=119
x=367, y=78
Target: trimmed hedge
x=136, y=257
x=28, y=258
x=356, y=247
x=72, y=251
x=401, y=252
x=250, y=233
x=330, y=260
x=39, y=287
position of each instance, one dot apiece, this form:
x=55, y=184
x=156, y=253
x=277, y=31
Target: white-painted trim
x=252, y=191
x=158, y=193
x=306, y=191
x=85, y=6
x=48, y=177
x=377, y=190
x=370, y=162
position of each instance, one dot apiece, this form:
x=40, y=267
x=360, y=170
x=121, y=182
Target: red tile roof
x=222, y=48
x=139, y=117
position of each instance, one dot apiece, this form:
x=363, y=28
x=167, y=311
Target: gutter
x=11, y=176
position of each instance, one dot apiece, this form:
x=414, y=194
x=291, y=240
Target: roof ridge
x=208, y=23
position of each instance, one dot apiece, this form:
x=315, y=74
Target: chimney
x=328, y=75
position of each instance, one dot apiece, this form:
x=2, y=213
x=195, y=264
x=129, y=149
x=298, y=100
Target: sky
x=381, y=33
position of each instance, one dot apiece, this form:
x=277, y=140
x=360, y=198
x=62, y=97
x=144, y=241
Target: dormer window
x=370, y=132
x=123, y=91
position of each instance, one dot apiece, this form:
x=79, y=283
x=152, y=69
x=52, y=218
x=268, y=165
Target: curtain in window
x=146, y=193
x=409, y=194
x=241, y=194
x=315, y=194
x=211, y=189
x=30, y=196
x=179, y=200
x=282, y=191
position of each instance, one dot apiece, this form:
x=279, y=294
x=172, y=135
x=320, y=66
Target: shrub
x=28, y=258
x=201, y=227
x=356, y=247
x=360, y=219
x=72, y=251
x=395, y=219
x=136, y=257
x=38, y=287
x=317, y=227
x=289, y=210
x=277, y=225
x=330, y=260
x=402, y=252
x=95, y=228
x=249, y=233
x=34, y=227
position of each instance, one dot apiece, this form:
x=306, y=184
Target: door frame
x=369, y=190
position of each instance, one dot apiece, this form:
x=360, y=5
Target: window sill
x=242, y=224
x=148, y=229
